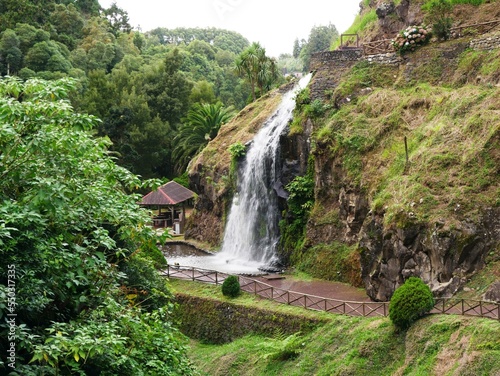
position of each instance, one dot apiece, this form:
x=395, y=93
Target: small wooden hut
x=170, y=200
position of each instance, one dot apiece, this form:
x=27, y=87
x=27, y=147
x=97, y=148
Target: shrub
x=439, y=15
x=409, y=302
x=237, y=150
x=231, y=287
x=411, y=38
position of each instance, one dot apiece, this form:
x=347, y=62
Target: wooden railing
x=450, y=306
x=375, y=47
x=478, y=28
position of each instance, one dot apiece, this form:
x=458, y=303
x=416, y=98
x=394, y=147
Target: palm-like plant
x=200, y=126
x=257, y=68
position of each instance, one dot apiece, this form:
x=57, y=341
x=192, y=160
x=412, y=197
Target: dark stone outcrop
x=493, y=293
x=385, y=9
x=443, y=258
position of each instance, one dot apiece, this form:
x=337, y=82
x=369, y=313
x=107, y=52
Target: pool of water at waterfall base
x=187, y=255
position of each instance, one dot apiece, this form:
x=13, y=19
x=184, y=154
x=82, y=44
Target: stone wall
x=340, y=60
x=329, y=67
x=390, y=58
x=217, y=322
x=335, y=59
x=486, y=43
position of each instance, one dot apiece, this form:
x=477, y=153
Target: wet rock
x=385, y=9
x=493, y=293
x=443, y=259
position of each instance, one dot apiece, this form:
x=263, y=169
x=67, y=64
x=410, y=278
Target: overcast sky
x=275, y=24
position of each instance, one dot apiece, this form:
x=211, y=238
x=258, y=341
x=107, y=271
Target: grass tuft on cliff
x=452, y=135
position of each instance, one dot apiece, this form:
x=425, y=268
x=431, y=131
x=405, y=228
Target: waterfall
x=251, y=236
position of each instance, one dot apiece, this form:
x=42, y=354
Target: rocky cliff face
x=444, y=253
x=443, y=257
x=403, y=238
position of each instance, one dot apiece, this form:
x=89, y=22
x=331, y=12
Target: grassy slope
x=453, y=134
x=449, y=115
x=435, y=345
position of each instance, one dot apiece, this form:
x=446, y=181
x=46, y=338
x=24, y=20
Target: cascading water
x=252, y=234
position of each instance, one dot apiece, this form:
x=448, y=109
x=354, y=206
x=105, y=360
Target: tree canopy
x=258, y=69
x=77, y=259
x=141, y=85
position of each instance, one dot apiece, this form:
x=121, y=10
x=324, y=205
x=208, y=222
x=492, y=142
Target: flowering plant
x=411, y=38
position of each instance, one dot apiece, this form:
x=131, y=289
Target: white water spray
x=251, y=236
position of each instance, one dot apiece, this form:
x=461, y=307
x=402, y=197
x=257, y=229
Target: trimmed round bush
x=231, y=287
x=409, y=302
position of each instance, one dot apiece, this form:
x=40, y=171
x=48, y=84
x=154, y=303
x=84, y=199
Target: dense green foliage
x=259, y=70
x=74, y=247
x=409, y=302
x=200, y=126
x=299, y=204
x=141, y=85
x=439, y=16
x=231, y=287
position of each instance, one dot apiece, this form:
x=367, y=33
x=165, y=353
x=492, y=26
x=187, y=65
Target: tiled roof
x=168, y=194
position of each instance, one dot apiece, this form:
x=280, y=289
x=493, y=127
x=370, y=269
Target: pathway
x=333, y=297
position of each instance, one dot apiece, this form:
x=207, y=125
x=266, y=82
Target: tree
x=118, y=19
x=68, y=23
x=47, y=56
x=202, y=92
x=88, y=7
x=268, y=75
x=29, y=36
x=320, y=39
x=167, y=89
x=34, y=13
x=200, y=126
x=10, y=53
x=75, y=241
x=297, y=47
x=99, y=44
x=257, y=68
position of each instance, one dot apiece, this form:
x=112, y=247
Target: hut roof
x=168, y=194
